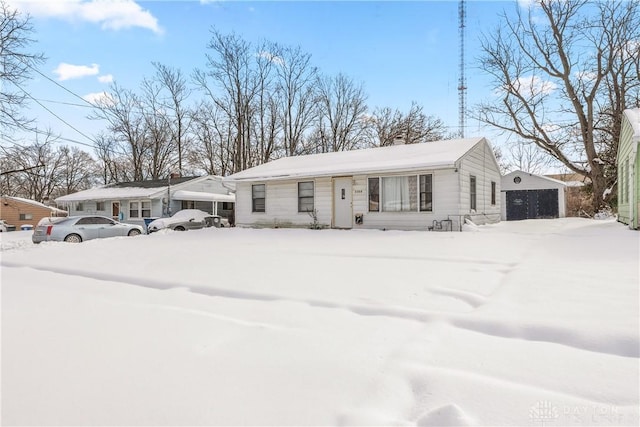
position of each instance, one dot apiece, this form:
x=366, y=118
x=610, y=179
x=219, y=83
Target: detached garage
x=528, y=196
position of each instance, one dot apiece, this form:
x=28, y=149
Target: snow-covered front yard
x=521, y=323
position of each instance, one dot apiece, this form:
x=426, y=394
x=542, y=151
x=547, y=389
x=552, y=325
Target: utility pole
x=462, y=83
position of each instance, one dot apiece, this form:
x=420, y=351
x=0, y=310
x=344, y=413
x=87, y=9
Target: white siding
x=450, y=202
x=627, y=166
x=282, y=204
x=445, y=203
x=481, y=163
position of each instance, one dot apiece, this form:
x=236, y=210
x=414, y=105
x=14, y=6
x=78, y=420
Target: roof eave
x=346, y=172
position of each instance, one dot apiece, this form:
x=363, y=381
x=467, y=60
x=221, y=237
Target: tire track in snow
x=623, y=346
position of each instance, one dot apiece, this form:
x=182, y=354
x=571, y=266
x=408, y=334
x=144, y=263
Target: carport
x=529, y=196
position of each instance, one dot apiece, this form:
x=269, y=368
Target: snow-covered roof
x=633, y=115
x=110, y=193
x=134, y=190
x=34, y=203
x=203, y=197
x=395, y=158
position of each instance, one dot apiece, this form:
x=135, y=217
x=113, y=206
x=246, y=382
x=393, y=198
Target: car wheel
x=179, y=228
x=73, y=238
x=134, y=232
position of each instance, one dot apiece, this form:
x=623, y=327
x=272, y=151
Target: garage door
x=532, y=204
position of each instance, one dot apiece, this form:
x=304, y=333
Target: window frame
x=305, y=198
x=428, y=205
x=377, y=194
x=100, y=206
x=25, y=216
x=142, y=206
x=473, y=192
x=254, y=208
x=493, y=193
x=80, y=206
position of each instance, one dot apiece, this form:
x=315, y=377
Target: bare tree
x=161, y=147
x=296, y=86
x=413, y=127
x=79, y=171
x=213, y=143
x=266, y=125
x=564, y=71
x=43, y=172
x=122, y=112
x=231, y=84
x=341, y=121
x=16, y=64
x=113, y=166
x=174, y=84
x=527, y=157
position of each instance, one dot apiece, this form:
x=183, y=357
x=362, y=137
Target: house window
x=140, y=209
x=134, y=209
x=399, y=194
x=374, y=194
x=25, y=216
x=472, y=192
x=258, y=198
x=146, y=208
x=100, y=206
x=188, y=204
x=426, y=193
x=305, y=196
x=493, y=192
x=625, y=173
x=79, y=206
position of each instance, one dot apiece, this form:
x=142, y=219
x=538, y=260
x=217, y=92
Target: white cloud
x=107, y=78
x=271, y=57
x=531, y=86
x=110, y=14
x=99, y=98
x=526, y=4
x=70, y=71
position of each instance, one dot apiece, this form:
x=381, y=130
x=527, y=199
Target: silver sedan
x=77, y=229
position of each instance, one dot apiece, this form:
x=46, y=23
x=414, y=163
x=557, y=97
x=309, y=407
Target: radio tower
x=462, y=83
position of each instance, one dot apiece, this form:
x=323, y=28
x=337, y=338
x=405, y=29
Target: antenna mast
x=462, y=83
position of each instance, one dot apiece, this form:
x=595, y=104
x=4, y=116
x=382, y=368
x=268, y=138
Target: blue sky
x=400, y=51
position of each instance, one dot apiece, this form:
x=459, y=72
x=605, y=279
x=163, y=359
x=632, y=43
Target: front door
x=342, y=203
x=115, y=210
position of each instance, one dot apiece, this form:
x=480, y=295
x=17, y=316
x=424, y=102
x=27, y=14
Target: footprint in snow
x=447, y=415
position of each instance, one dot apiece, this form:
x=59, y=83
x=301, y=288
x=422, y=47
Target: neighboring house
x=528, y=196
x=629, y=169
x=133, y=202
x=412, y=187
x=24, y=212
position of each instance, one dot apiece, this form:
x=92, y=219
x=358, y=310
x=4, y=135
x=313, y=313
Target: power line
x=73, y=104
x=88, y=104
x=60, y=118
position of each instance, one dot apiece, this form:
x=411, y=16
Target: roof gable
x=633, y=117
x=33, y=203
x=540, y=178
x=395, y=158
